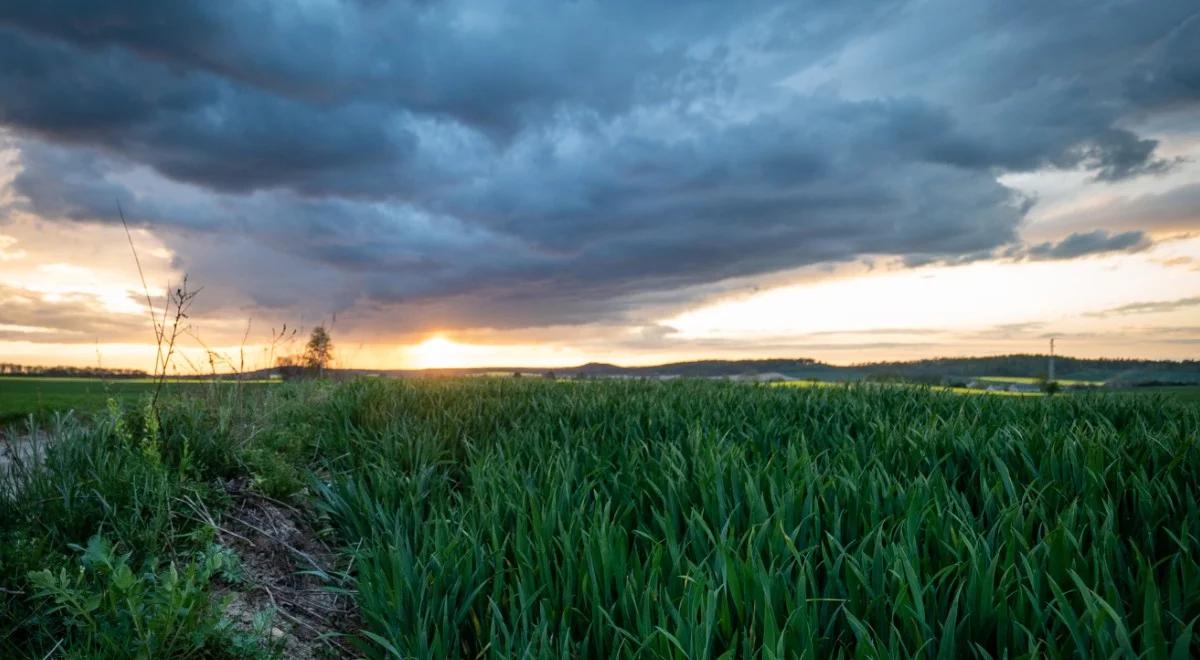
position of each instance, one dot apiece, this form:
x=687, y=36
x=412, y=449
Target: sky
x=547, y=183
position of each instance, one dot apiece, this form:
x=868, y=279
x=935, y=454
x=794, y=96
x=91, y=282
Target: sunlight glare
x=437, y=352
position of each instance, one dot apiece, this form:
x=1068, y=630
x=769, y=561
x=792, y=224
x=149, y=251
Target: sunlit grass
x=807, y=383
x=972, y=390
x=1037, y=381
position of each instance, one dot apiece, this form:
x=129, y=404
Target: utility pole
x=1050, y=368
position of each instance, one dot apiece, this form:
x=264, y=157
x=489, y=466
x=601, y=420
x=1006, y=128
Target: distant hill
x=1113, y=371
x=794, y=367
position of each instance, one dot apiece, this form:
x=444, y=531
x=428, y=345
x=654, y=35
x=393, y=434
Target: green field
x=1183, y=393
x=1067, y=382
x=1188, y=393
x=525, y=518
x=21, y=396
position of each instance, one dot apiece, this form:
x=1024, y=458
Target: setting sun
x=437, y=352
x=440, y=352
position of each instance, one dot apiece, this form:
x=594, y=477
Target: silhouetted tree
x=318, y=353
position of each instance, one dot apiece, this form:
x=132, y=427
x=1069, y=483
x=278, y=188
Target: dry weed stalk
x=176, y=305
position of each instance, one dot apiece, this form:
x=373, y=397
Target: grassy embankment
x=622, y=519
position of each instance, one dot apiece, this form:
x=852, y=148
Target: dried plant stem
x=154, y=322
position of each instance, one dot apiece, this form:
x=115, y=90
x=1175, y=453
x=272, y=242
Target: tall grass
x=522, y=518
x=698, y=519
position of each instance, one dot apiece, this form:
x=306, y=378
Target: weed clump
x=105, y=555
x=109, y=609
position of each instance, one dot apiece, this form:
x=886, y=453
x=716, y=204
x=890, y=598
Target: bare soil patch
x=283, y=559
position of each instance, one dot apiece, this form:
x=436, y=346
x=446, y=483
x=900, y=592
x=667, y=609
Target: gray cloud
x=1149, y=307
x=1088, y=244
x=285, y=249
x=192, y=126
x=552, y=162
x=1020, y=330
x=1176, y=209
x=64, y=318
x=474, y=64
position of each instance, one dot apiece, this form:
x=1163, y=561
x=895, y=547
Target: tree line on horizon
x=13, y=369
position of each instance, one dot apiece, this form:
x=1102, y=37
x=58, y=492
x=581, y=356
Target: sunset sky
x=551, y=183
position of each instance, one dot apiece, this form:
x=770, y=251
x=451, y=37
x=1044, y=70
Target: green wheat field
x=504, y=518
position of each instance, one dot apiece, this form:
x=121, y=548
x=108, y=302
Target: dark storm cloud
x=284, y=68
x=621, y=240
x=1169, y=75
x=193, y=126
x=1088, y=244
x=548, y=162
x=494, y=67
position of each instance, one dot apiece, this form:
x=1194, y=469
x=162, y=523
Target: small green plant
x=107, y=608
x=273, y=474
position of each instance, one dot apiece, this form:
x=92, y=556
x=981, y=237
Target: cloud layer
x=543, y=163
x=1090, y=243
